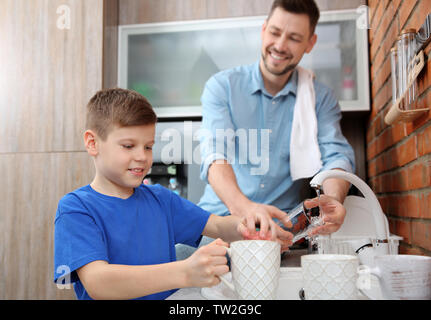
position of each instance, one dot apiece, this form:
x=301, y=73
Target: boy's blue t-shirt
x=140, y=230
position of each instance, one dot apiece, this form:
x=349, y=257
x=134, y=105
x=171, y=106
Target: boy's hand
x=206, y=265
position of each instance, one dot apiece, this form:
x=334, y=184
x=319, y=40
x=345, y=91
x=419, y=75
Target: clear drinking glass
x=303, y=221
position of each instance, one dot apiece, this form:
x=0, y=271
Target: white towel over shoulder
x=305, y=157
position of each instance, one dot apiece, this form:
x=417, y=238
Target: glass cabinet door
x=169, y=63
x=340, y=58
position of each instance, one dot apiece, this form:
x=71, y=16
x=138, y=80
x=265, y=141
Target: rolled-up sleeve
x=336, y=152
x=216, y=119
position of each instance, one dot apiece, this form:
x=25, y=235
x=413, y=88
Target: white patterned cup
x=330, y=276
x=255, y=266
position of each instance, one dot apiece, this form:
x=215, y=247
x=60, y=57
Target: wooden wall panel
x=33, y=185
x=47, y=75
x=110, y=43
x=138, y=11
x=339, y=4
x=237, y=8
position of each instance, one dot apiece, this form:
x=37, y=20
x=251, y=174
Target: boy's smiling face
x=122, y=160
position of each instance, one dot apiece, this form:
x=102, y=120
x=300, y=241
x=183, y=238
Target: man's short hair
x=118, y=107
x=307, y=7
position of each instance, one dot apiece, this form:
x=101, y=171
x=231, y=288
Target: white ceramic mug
x=403, y=277
x=330, y=276
x=255, y=266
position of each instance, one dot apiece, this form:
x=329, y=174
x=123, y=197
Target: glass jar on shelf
x=394, y=74
x=406, y=50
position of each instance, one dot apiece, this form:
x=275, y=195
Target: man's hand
x=261, y=215
x=332, y=211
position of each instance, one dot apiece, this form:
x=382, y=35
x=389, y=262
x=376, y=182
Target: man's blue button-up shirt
x=250, y=128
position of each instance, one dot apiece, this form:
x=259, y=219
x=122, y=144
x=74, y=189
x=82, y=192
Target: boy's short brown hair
x=308, y=7
x=120, y=107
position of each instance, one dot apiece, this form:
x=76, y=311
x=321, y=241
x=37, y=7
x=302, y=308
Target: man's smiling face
x=285, y=38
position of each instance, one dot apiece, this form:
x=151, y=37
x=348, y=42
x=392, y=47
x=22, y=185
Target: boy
x=117, y=236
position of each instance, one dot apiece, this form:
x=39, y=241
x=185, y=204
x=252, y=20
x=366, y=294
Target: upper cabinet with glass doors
x=169, y=63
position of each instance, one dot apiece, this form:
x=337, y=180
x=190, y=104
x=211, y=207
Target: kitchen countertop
x=291, y=258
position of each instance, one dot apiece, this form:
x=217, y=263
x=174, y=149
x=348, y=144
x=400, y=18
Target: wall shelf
x=395, y=113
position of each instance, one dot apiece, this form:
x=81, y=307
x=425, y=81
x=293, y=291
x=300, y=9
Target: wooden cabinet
x=48, y=71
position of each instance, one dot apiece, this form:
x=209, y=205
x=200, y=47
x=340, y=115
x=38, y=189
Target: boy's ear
x=90, y=142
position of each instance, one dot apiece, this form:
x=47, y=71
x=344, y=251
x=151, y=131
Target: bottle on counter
x=174, y=186
x=348, y=89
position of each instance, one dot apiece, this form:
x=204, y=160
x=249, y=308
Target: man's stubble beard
x=288, y=68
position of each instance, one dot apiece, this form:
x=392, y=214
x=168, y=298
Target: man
x=262, y=96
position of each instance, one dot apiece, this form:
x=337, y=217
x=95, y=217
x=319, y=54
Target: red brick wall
x=399, y=156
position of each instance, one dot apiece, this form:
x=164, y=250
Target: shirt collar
x=256, y=79
x=257, y=82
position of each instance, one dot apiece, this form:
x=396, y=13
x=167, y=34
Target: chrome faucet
x=381, y=224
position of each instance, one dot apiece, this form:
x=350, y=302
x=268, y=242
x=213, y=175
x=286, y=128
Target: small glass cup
x=303, y=221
